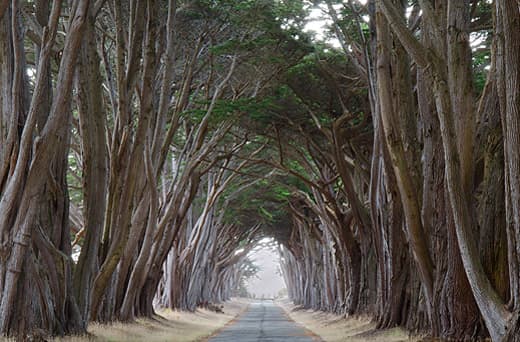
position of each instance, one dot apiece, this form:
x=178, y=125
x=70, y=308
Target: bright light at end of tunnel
x=269, y=282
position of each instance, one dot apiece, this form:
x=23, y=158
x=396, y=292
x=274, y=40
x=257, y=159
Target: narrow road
x=264, y=321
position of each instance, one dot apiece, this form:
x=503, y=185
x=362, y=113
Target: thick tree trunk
x=95, y=168
x=408, y=193
x=489, y=303
x=36, y=282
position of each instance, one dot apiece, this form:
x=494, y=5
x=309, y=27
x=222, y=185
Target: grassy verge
x=336, y=328
x=173, y=326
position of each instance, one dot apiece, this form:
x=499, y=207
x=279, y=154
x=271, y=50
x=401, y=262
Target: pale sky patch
x=320, y=21
x=268, y=282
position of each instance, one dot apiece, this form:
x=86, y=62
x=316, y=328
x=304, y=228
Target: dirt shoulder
x=174, y=326
x=336, y=328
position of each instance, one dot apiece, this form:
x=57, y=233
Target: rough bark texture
x=36, y=277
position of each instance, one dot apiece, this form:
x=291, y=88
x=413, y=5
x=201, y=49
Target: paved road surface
x=263, y=321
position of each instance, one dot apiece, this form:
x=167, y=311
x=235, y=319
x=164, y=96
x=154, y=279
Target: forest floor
x=169, y=326
x=337, y=328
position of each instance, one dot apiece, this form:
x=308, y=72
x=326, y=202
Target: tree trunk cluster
x=120, y=148
x=423, y=233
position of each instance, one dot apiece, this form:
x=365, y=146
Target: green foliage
x=268, y=31
x=256, y=14
x=316, y=82
x=281, y=193
x=254, y=108
x=481, y=63
x=265, y=214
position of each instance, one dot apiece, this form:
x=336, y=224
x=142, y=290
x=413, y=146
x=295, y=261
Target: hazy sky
x=319, y=19
x=269, y=281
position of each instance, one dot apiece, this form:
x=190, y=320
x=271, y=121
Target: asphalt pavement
x=264, y=321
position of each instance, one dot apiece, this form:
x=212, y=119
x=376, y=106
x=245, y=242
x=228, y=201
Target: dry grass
x=335, y=328
x=170, y=326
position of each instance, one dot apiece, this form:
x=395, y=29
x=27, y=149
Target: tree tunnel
x=146, y=147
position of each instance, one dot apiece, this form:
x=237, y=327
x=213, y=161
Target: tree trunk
x=36, y=285
x=95, y=168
